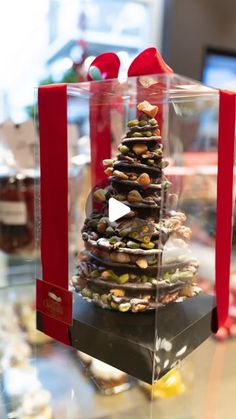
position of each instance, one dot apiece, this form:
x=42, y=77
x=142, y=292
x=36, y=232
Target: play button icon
x=116, y=209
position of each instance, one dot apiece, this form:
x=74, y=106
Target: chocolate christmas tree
x=143, y=260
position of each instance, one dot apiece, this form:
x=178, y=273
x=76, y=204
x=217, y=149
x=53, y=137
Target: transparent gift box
x=137, y=275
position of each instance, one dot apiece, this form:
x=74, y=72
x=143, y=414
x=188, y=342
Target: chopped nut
x=147, y=108
x=169, y=297
x=142, y=263
x=144, y=179
x=133, y=177
x=101, y=226
x=187, y=291
x=140, y=148
x=108, y=171
x=120, y=175
x=134, y=196
x=117, y=292
x=99, y=195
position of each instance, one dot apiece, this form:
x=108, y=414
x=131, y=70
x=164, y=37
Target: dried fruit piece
x=134, y=196
x=117, y=292
x=120, y=175
x=108, y=171
x=147, y=108
x=144, y=179
x=142, y=263
x=140, y=148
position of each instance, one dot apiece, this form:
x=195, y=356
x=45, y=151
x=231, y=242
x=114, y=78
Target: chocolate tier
x=142, y=260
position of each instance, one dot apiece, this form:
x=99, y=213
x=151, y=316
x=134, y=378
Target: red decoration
x=108, y=64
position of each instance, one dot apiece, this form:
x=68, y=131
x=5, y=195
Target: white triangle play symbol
x=116, y=209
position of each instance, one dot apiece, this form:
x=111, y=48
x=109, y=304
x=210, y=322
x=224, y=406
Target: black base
x=128, y=340
x=145, y=345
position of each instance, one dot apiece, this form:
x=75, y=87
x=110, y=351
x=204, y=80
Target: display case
x=122, y=279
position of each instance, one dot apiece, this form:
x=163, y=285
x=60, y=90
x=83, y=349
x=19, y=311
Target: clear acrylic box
x=139, y=292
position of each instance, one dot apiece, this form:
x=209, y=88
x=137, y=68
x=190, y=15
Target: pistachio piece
x=86, y=292
x=114, y=239
x=107, y=162
x=108, y=171
x=117, y=292
x=150, y=162
x=120, y=175
x=95, y=274
x=132, y=245
x=123, y=307
x=99, y=195
x=110, y=275
x=123, y=278
x=95, y=296
x=142, y=263
x=134, y=196
x=132, y=123
x=123, y=149
x=142, y=123
x=152, y=121
x=124, y=232
x=140, y=148
x=147, y=108
x=104, y=298
x=136, y=134
x=144, y=179
x=148, y=246
x=147, y=133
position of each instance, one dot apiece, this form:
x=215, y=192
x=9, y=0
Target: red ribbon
x=52, y=107
x=225, y=177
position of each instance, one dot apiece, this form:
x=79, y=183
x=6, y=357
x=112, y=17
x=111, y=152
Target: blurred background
x=54, y=41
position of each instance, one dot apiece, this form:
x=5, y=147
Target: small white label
x=13, y=213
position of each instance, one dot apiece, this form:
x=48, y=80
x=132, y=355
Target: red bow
x=148, y=61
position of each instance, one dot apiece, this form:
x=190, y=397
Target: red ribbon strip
x=52, y=108
x=225, y=177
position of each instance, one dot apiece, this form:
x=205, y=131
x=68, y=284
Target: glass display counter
x=202, y=386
